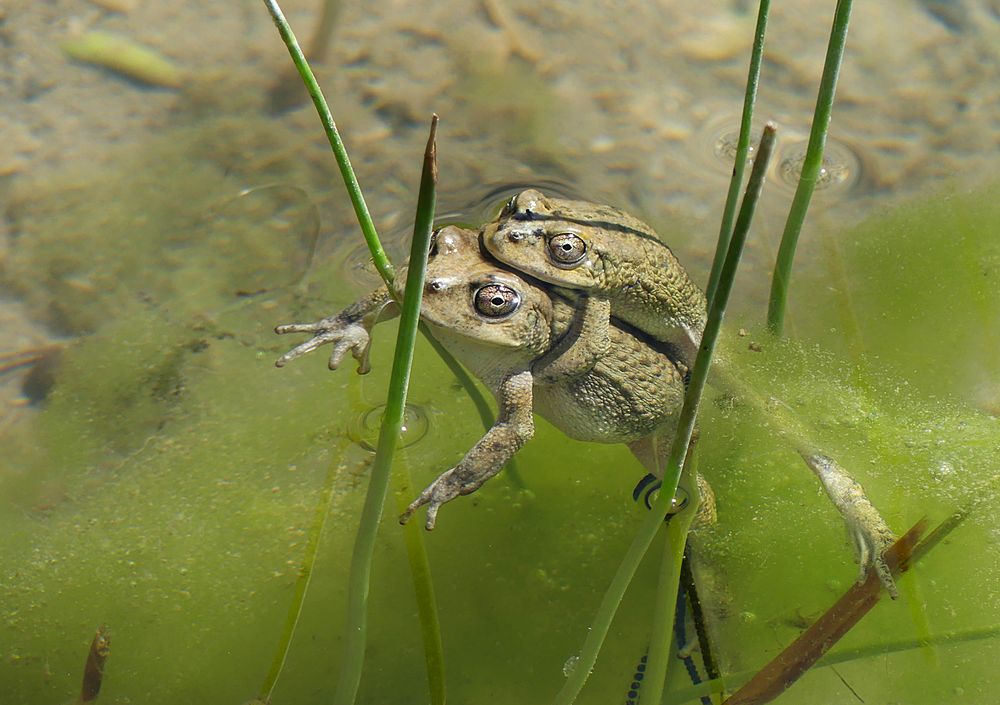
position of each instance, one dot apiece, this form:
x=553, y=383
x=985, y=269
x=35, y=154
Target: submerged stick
x=392, y=421
x=810, y=168
x=685, y=427
x=940, y=532
x=788, y=666
x=93, y=670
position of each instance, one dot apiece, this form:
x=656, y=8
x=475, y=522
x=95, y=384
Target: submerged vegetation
x=171, y=484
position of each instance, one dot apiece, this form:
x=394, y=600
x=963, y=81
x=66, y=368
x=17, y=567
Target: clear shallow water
x=167, y=485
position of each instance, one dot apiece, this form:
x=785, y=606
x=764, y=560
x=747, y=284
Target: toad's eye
x=497, y=301
x=567, y=249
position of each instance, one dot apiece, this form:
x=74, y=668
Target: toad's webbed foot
x=353, y=338
x=869, y=532
x=348, y=330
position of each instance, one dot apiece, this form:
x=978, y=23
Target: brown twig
x=788, y=666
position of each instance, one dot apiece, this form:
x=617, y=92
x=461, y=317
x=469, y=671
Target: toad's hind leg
x=871, y=535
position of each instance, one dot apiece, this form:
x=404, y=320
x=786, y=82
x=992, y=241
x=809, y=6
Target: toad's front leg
x=513, y=427
x=587, y=341
x=347, y=331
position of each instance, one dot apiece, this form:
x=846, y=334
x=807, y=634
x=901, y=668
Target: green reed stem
x=393, y=417
x=379, y=257
x=742, y=149
x=685, y=427
x=811, y=168
x=392, y=422
x=665, y=606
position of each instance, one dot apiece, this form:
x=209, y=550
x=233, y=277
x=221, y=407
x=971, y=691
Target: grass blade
x=810, y=168
x=685, y=426
x=742, y=149
x=392, y=421
x=665, y=606
x=379, y=257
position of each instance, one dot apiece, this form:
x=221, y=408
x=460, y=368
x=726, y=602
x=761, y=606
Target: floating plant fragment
x=93, y=671
x=125, y=57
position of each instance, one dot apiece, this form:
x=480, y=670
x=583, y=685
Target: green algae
x=893, y=377
x=193, y=539
x=915, y=291
x=780, y=556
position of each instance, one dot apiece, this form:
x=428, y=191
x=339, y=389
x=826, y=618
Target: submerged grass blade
x=742, y=150
x=125, y=57
x=423, y=585
x=392, y=421
x=810, y=168
x=320, y=515
x=379, y=257
x=285, y=93
x=685, y=426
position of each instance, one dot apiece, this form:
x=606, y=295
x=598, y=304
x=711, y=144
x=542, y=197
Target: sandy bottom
x=632, y=103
